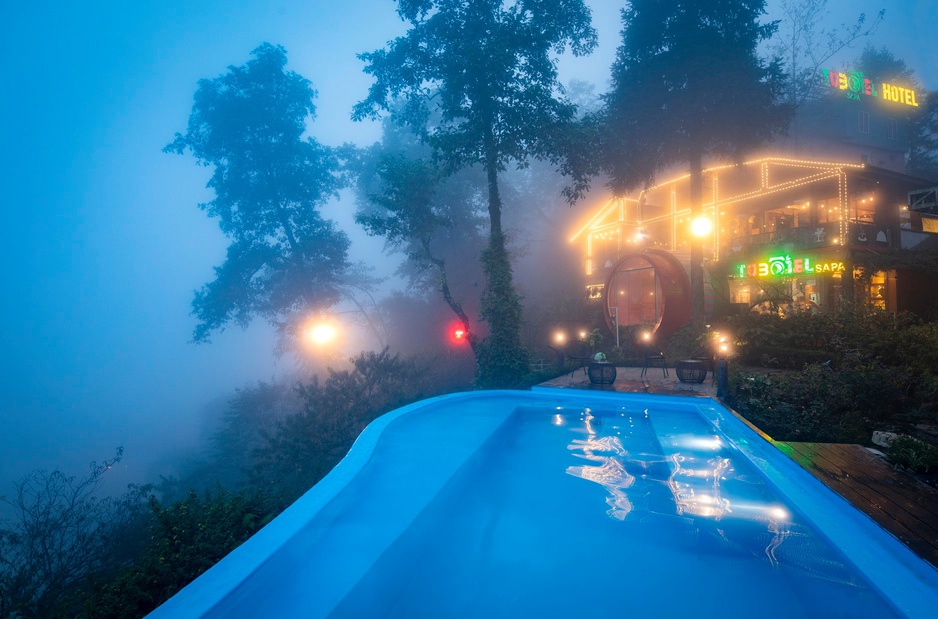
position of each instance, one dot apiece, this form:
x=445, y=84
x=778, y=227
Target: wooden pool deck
x=896, y=501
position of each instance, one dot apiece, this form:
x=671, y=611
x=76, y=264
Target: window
x=892, y=129
x=863, y=122
x=878, y=290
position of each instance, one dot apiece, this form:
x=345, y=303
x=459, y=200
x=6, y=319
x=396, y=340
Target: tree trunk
x=696, y=245
x=453, y=304
x=502, y=359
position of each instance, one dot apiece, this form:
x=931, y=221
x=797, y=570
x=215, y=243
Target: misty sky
x=100, y=236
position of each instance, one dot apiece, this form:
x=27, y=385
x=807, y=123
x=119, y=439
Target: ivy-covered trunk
x=502, y=359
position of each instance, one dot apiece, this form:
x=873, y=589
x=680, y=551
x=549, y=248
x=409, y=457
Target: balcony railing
x=818, y=236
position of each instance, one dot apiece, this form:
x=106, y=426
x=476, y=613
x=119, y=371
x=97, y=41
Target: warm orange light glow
x=701, y=226
x=320, y=334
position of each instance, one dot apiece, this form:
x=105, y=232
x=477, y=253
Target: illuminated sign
x=856, y=84
x=779, y=266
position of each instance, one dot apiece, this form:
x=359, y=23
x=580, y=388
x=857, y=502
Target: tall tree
x=688, y=82
x=923, y=140
x=490, y=68
x=435, y=219
x=269, y=180
x=804, y=43
x=921, y=121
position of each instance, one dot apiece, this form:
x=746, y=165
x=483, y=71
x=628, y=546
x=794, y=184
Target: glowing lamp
x=458, y=333
x=320, y=334
x=560, y=337
x=702, y=226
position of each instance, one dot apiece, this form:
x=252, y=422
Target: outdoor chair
x=655, y=358
x=579, y=352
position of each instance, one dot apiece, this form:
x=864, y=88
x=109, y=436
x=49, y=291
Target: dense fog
x=104, y=243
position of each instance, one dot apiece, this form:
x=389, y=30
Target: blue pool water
x=565, y=504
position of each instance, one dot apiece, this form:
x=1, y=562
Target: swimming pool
x=563, y=503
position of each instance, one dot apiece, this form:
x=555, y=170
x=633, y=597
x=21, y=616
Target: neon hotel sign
x=778, y=266
x=856, y=84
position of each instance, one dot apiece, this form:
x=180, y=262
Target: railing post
x=723, y=381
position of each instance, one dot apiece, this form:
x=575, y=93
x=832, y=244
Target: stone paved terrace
x=630, y=380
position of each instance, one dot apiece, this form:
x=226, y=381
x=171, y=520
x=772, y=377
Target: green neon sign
x=780, y=266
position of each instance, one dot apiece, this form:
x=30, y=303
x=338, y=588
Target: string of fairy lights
x=600, y=227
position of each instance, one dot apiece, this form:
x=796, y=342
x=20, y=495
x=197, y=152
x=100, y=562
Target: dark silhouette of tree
x=687, y=83
x=488, y=66
x=59, y=532
x=184, y=538
x=923, y=139
x=804, y=44
x=922, y=121
x=284, y=259
x=434, y=218
x=304, y=447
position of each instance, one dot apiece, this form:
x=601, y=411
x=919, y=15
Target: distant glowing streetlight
x=560, y=337
x=320, y=334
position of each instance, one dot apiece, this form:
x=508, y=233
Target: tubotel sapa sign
x=857, y=84
x=779, y=266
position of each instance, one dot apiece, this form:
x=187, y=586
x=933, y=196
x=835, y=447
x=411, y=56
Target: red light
x=457, y=333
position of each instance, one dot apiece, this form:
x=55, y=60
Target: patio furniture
x=601, y=372
x=579, y=352
x=655, y=358
x=691, y=370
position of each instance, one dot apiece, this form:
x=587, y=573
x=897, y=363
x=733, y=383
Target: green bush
x=913, y=454
x=186, y=538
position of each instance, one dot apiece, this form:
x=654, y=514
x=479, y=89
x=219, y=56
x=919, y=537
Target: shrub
x=912, y=454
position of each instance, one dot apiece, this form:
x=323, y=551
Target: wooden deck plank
x=877, y=507
x=916, y=497
x=865, y=478
x=870, y=478
x=900, y=504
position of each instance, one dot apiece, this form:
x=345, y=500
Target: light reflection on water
x=698, y=465
x=675, y=522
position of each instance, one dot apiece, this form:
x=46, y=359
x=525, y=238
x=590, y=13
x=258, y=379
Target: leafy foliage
x=488, y=66
x=433, y=217
x=879, y=370
x=269, y=182
x=688, y=83
x=250, y=413
x=913, y=454
x=805, y=45
x=308, y=445
x=923, y=142
x=186, y=538
x=60, y=532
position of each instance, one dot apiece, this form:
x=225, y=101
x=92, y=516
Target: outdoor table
x=601, y=372
x=691, y=370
